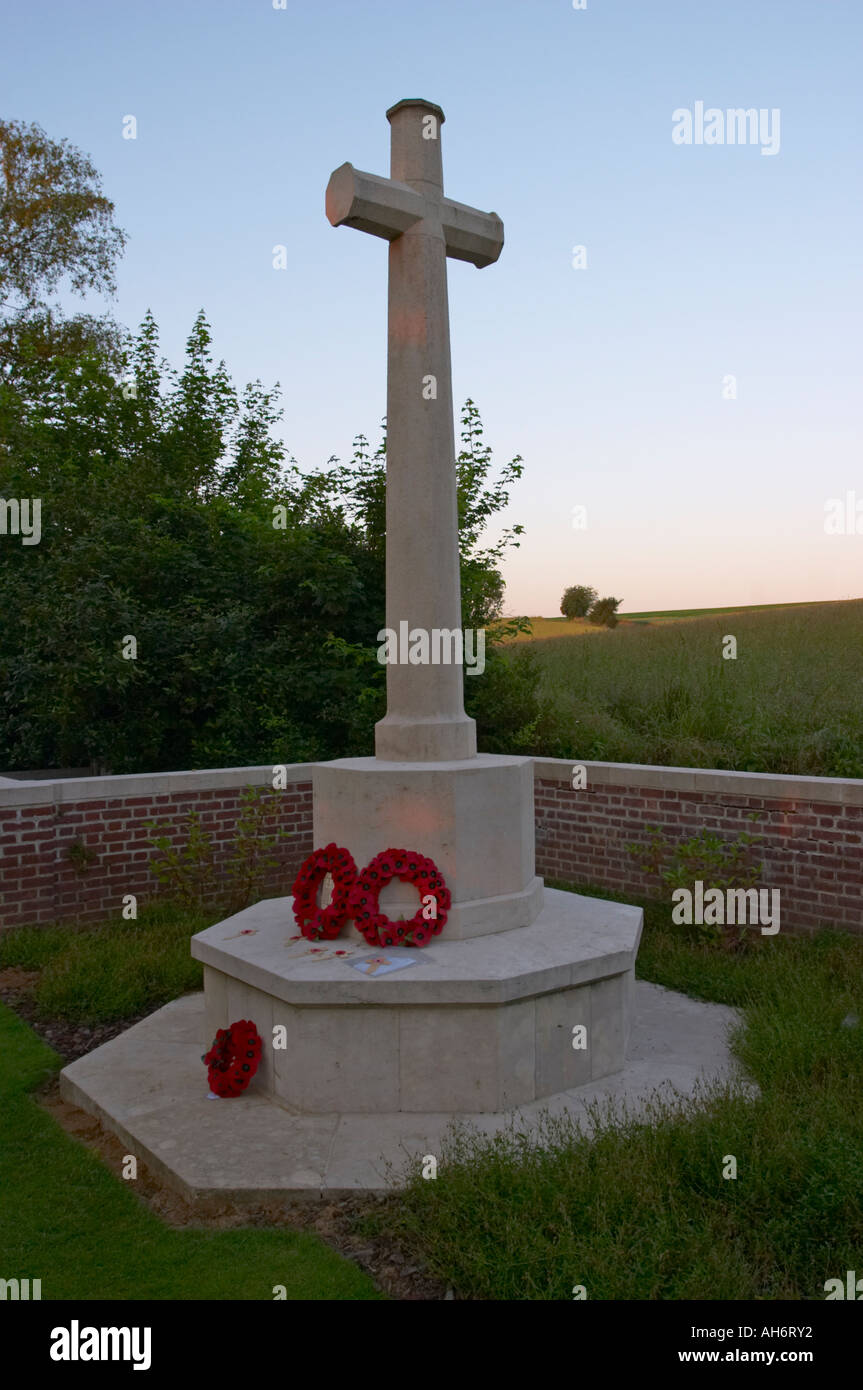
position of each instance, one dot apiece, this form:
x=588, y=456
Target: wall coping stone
x=68, y=790
x=844, y=791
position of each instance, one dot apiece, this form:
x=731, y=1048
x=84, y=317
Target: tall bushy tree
x=604, y=612
x=159, y=495
x=481, y=496
x=577, y=600
x=56, y=231
x=55, y=222
x=170, y=514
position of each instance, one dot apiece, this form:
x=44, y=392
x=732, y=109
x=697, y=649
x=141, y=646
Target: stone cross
x=425, y=719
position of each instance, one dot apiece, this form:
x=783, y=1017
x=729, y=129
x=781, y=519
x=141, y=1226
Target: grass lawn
x=119, y=971
x=642, y=1211
x=664, y=694
x=64, y=1218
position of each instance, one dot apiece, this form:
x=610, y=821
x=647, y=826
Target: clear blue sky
x=703, y=261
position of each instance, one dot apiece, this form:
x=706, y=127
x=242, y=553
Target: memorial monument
x=526, y=993
x=486, y=1019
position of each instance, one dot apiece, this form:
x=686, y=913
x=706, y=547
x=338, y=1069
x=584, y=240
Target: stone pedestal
x=473, y=1026
x=474, y=818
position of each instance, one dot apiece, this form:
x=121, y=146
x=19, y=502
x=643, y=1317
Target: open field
x=576, y=627
x=790, y=702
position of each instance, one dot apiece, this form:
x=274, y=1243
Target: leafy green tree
x=158, y=510
x=576, y=601
x=55, y=222
x=604, y=612
x=55, y=230
x=172, y=515
x=480, y=499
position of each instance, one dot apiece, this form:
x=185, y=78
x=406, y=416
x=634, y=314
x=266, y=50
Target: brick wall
x=812, y=831
x=71, y=850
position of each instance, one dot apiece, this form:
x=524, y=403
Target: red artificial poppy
x=317, y=923
x=233, y=1059
x=409, y=866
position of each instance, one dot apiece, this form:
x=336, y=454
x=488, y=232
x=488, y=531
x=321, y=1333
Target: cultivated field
x=575, y=627
x=791, y=701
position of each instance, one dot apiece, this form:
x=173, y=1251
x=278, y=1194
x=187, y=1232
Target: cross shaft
x=425, y=719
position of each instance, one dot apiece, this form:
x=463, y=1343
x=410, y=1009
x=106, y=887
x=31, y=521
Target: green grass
x=789, y=703
x=109, y=972
x=641, y=1211
x=667, y=613
x=65, y=1219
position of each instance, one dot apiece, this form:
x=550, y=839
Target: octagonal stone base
x=473, y=1026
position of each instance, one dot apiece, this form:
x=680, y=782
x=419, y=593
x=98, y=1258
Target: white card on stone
x=383, y=962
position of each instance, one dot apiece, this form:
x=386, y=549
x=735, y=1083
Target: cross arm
x=471, y=235
x=384, y=207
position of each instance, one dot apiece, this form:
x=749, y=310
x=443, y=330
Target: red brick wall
x=811, y=850
x=812, y=845
x=39, y=883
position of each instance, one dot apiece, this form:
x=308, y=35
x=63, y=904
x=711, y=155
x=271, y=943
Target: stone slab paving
x=148, y=1087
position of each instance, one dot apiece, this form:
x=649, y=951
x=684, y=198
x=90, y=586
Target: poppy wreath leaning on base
x=324, y=923
x=233, y=1059
x=410, y=867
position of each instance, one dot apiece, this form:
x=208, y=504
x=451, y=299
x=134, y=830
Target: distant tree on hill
x=576, y=601
x=604, y=612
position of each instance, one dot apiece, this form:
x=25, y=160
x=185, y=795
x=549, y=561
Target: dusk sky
x=704, y=261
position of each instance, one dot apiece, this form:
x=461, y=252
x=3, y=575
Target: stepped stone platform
x=482, y=1024
x=149, y=1088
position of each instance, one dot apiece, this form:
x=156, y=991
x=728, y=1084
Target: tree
x=157, y=522
x=361, y=488
x=169, y=513
x=604, y=612
x=159, y=492
x=479, y=499
x=55, y=222
x=576, y=600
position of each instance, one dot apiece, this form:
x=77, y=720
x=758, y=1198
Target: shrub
x=603, y=613
x=577, y=600
x=718, y=863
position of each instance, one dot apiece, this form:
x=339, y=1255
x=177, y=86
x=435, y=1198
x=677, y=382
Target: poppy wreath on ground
x=233, y=1059
x=324, y=923
x=409, y=867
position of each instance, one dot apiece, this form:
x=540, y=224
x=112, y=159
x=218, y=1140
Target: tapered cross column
x=425, y=719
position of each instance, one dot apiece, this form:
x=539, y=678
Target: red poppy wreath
x=233, y=1059
x=409, y=867
x=324, y=923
